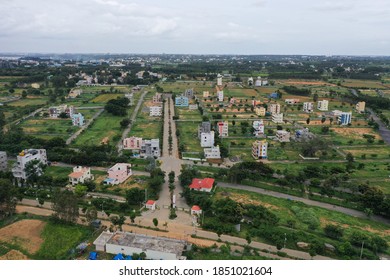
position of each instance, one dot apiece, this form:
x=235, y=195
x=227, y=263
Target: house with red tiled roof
x=203, y=185
x=151, y=205
x=196, y=210
x=80, y=175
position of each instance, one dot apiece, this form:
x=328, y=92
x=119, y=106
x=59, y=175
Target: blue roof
x=118, y=257
x=92, y=256
x=128, y=258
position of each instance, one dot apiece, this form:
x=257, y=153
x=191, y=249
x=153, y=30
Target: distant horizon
x=281, y=27
x=194, y=54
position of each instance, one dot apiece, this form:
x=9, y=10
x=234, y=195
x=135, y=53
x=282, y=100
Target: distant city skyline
x=301, y=27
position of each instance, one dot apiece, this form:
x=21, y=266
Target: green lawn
x=59, y=239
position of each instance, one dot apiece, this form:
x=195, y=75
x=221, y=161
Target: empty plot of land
x=25, y=233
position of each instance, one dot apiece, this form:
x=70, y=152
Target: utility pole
x=285, y=239
x=361, y=250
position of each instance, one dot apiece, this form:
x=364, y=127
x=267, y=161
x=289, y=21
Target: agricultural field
x=30, y=100
x=104, y=98
x=32, y=238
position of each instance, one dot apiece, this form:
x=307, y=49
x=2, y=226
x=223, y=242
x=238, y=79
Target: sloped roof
x=206, y=183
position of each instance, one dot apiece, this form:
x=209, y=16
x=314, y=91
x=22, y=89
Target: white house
x=24, y=158
x=206, y=94
x=260, y=111
x=258, y=128
x=196, y=210
x=212, y=153
x=220, y=95
x=308, y=107
x=323, y=105
x=250, y=81
x=155, y=111
x=258, y=82
x=78, y=119
x=260, y=149
x=283, y=136
x=345, y=118
x=207, y=139
x=155, y=248
x=151, y=205
x=80, y=175
x=219, y=80
x=277, y=118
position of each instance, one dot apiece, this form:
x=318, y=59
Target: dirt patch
x=14, y=255
x=356, y=133
x=25, y=233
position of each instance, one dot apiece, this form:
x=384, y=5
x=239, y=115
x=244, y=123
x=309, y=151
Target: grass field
x=106, y=125
x=363, y=84
x=29, y=101
x=283, y=209
x=104, y=98
x=189, y=136
x=147, y=130
x=48, y=128
x=59, y=239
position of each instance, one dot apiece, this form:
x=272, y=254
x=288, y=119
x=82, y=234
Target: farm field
x=30, y=100
x=104, y=98
x=39, y=239
x=370, y=84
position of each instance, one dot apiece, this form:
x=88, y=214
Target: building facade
x=282, y=136
x=223, y=129
x=260, y=111
x=258, y=127
x=203, y=185
x=24, y=158
x=345, y=118
x=277, y=118
x=155, y=111
x=323, y=105
x=117, y=174
x=361, y=107
x=220, y=95
x=3, y=161
x=150, y=148
x=55, y=111
x=274, y=108
x=80, y=175
x=77, y=119
x=308, y=107
x=212, y=153
x=181, y=101
x=207, y=139
x=260, y=149
x=132, y=143
x=157, y=98
x=204, y=127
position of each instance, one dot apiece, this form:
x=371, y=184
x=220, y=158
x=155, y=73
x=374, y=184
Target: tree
x=80, y=190
x=118, y=221
x=8, y=198
x=65, y=206
x=155, y=222
x=91, y=214
x=333, y=231
x=125, y=122
x=132, y=217
x=308, y=120
x=315, y=97
x=34, y=169
x=350, y=158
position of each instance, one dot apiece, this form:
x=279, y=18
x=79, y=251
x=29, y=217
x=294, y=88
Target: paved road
x=84, y=127
x=383, y=130
x=132, y=120
x=344, y=210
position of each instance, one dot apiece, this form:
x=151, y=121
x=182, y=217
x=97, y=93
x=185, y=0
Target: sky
x=312, y=27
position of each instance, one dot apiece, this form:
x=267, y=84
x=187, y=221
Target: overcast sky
x=328, y=27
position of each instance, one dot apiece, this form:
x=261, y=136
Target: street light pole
x=361, y=250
